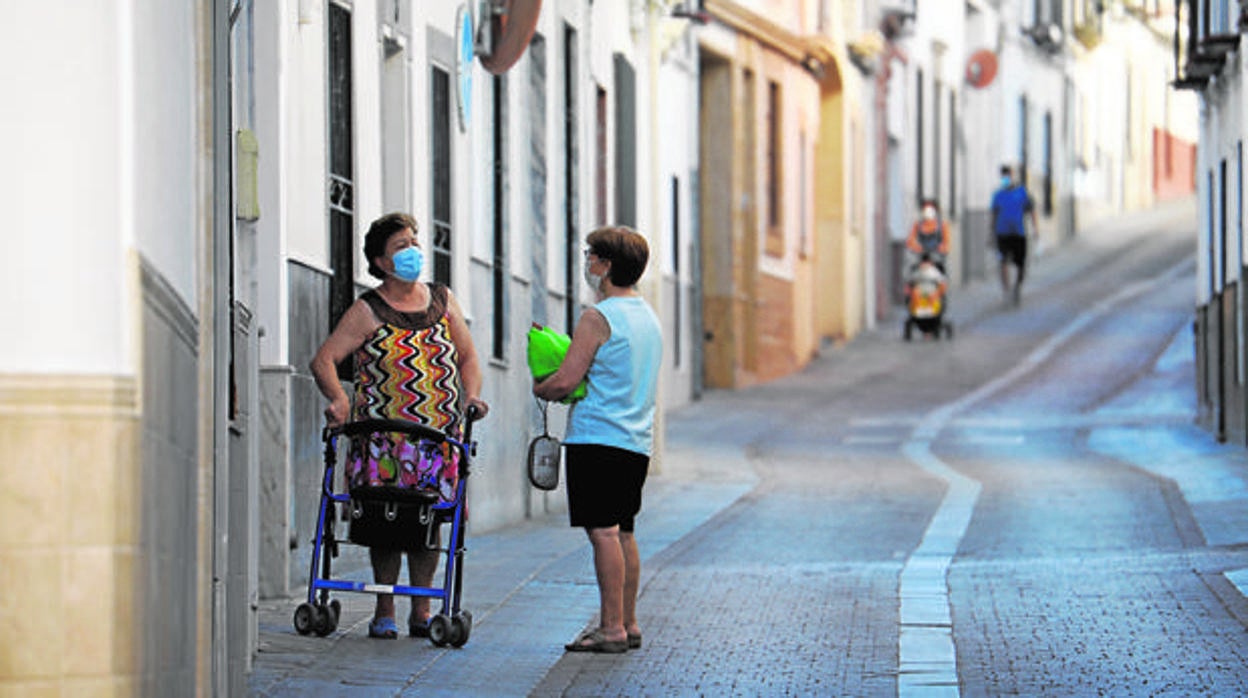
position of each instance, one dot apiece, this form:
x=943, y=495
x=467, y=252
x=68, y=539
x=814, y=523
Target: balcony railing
x=1201, y=54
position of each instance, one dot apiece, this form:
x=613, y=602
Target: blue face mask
x=1006, y=182
x=407, y=263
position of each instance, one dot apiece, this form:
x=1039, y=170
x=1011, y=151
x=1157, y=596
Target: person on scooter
x=929, y=235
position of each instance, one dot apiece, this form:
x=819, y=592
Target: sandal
x=383, y=628
x=417, y=628
x=634, y=641
x=595, y=641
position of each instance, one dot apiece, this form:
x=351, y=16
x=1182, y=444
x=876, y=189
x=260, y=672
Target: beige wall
x=68, y=535
x=770, y=291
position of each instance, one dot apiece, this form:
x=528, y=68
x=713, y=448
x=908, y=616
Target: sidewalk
x=530, y=587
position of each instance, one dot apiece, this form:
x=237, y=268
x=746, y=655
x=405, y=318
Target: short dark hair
x=1007, y=170
x=379, y=234
x=930, y=202
x=625, y=248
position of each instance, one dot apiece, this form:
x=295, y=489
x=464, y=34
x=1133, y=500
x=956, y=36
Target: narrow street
x=1027, y=509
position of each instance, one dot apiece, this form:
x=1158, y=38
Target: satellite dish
x=511, y=26
x=981, y=68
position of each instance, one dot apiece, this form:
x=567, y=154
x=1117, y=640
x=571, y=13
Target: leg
x=1020, y=263
x=609, y=568
x=1004, y=257
x=421, y=566
x=632, y=581
x=386, y=565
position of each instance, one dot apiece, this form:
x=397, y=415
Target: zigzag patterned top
x=409, y=368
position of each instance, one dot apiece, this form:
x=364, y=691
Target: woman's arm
x=912, y=239
x=469, y=363
x=591, y=332
x=356, y=325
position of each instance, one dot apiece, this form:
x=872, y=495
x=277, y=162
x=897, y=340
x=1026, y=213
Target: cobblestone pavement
x=1105, y=555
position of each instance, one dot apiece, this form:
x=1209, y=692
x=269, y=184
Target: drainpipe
x=218, y=319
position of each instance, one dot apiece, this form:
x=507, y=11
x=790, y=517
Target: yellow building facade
x=782, y=238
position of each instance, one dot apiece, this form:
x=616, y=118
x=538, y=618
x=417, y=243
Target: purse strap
x=544, y=405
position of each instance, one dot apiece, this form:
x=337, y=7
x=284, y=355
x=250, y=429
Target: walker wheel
x=461, y=628
x=305, y=618
x=326, y=620
x=440, y=630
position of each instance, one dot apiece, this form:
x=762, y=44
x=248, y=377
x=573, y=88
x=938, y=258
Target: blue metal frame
x=450, y=591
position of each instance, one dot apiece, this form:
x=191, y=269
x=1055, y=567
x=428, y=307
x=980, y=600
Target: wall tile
x=31, y=689
x=32, y=495
x=101, y=687
x=32, y=584
x=85, y=622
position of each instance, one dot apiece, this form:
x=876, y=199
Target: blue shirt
x=618, y=409
x=1009, y=204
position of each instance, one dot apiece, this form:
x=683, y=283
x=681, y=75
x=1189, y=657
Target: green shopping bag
x=547, y=348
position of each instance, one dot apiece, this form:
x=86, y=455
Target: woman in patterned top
x=414, y=360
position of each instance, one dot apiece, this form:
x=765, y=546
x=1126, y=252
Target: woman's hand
x=338, y=411
x=483, y=408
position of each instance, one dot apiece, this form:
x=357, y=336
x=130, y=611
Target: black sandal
x=595, y=641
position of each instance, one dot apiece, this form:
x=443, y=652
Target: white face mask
x=594, y=280
x=929, y=213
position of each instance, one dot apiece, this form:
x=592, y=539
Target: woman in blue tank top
x=618, y=346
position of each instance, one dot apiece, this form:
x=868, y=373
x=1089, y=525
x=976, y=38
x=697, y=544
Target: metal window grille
x=440, y=165
x=498, y=347
x=918, y=127
x=340, y=194
x=571, y=176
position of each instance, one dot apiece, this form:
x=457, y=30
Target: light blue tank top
x=619, y=407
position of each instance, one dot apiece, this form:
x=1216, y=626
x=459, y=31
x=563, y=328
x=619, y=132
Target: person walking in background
x=414, y=361
x=617, y=344
x=1011, y=205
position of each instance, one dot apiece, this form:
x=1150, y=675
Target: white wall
x=275, y=28
x=936, y=46
x=70, y=304
x=304, y=144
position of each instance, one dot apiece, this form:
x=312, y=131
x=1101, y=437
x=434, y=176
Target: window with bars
x=340, y=176
x=571, y=175
x=498, y=344
x=677, y=304
x=919, y=191
x=774, y=183
x=600, y=163
x=1047, y=194
x=952, y=208
x=1022, y=139
x=440, y=172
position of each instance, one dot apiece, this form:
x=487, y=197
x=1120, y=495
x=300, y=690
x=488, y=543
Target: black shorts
x=1012, y=248
x=604, y=486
